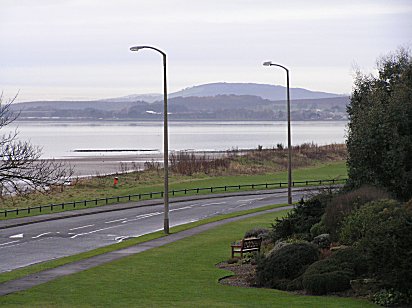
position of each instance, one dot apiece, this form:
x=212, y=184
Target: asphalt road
x=43, y=241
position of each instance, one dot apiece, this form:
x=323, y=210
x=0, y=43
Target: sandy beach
x=108, y=164
x=95, y=165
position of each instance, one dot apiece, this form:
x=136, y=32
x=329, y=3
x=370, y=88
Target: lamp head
x=136, y=48
x=267, y=63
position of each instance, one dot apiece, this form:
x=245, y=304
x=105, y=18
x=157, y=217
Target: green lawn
x=328, y=171
x=181, y=274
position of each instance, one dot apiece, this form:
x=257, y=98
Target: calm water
x=60, y=139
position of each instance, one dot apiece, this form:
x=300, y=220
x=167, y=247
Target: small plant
x=249, y=258
x=391, y=297
x=233, y=261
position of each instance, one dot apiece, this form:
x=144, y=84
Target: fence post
x=28, y=210
x=185, y=191
x=225, y=188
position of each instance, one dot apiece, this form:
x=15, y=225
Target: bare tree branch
x=21, y=166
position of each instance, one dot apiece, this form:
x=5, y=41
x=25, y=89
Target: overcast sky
x=79, y=49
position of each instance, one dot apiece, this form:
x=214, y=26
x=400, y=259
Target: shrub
x=318, y=229
x=258, y=232
x=323, y=283
x=356, y=225
x=285, y=264
x=334, y=273
x=322, y=241
x=382, y=230
x=301, y=219
x=343, y=204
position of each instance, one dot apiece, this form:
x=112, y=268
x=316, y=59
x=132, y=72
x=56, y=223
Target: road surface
x=29, y=244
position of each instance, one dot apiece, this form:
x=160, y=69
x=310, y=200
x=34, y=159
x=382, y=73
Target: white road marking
x=37, y=236
x=9, y=243
x=214, y=203
x=182, y=208
x=17, y=236
x=138, y=217
x=120, y=239
x=82, y=227
x=94, y=231
x=247, y=200
x=111, y=221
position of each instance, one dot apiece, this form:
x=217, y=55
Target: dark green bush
x=357, y=224
x=300, y=220
x=322, y=241
x=284, y=265
x=382, y=231
x=343, y=204
x=334, y=273
x=323, y=283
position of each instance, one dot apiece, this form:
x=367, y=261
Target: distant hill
x=266, y=91
x=206, y=102
x=271, y=92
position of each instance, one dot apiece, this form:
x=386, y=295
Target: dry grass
x=257, y=161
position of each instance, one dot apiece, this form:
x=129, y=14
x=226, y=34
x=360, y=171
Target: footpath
x=35, y=279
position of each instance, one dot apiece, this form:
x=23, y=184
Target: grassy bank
x=182, y=274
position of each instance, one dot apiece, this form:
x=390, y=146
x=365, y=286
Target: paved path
x=32, y=280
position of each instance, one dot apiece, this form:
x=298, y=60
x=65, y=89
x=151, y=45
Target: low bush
x=323, y=283
x=285, y=264
x=300, y=220
x=334, y=273
x=391, y=297
x=322, y=241
x=258, y=232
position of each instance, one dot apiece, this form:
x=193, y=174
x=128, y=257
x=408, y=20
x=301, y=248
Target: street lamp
x=165, y=139
x=269, y=63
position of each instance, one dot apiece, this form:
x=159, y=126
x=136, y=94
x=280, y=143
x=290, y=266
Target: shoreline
x=98, y=165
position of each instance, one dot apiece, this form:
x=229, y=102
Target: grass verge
x=127, y=243
x=181, y=274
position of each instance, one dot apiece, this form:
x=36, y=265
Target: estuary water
x=64, y=139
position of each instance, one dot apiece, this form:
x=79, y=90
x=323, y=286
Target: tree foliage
x=21, y=166
x=380, y=126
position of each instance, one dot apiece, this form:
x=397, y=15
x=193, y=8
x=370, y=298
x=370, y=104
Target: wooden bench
x=246, y=245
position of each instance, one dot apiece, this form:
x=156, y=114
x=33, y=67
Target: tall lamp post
x=269, y=63
x=165, y=139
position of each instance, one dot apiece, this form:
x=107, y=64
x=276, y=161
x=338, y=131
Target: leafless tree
x=21, y=168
